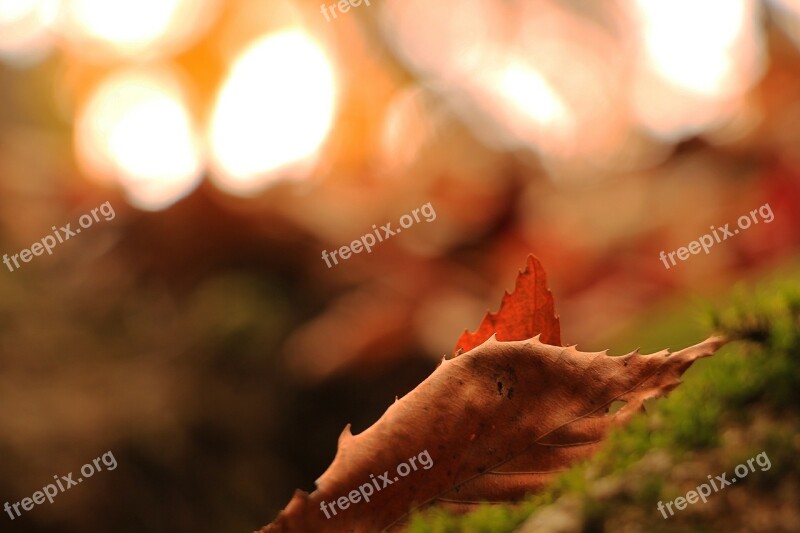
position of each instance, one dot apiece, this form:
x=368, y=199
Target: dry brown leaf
x=497, y=422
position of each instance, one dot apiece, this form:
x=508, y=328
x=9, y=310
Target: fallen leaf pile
x=503, y=415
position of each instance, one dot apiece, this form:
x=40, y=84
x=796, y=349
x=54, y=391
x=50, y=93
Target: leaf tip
x=531, y=263
x=345, y=436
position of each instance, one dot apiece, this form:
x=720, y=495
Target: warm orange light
x=526, y=108
x=521, y=75
x=529, y=94
x=697, y=58
x=136, y=130
x=134, y=27
x=26, y=29
x=409, y=126
x=689, y=42
x=448, y=38
x=273, y=111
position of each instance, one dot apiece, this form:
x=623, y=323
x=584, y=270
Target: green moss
x=485, y=519
x=757, y=375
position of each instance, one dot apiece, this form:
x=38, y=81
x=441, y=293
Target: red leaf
x=523, y=314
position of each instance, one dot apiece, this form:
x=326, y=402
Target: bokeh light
x=273, y=111
x=503, y=69
x=139, y=29
x=411, y=124
x=700, y=61
x=26, y=29
x=696, y=59
x=136, y=130
x=445, y=39
x=528, y=106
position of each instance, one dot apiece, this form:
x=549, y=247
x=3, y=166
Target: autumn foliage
x=500, y=418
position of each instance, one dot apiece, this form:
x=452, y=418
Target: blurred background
x=199, y=335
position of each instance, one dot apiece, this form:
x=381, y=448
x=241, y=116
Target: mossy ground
x=742, y=401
